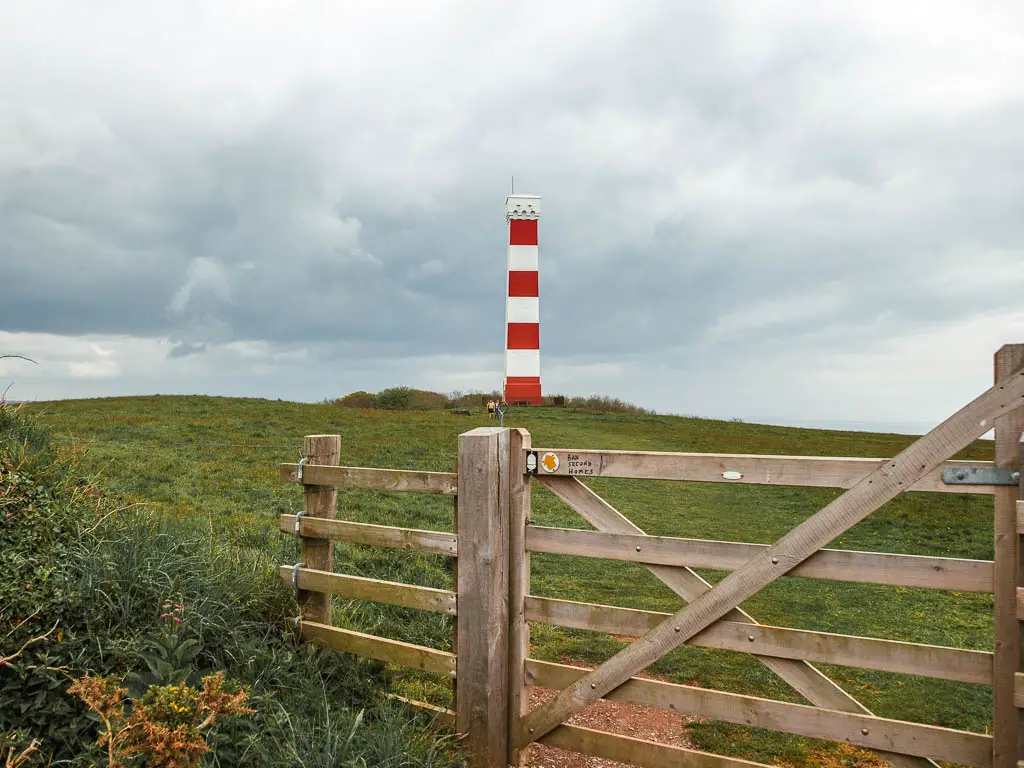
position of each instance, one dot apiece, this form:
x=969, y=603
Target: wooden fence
x=493, y=540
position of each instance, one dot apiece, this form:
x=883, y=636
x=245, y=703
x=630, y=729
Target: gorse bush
x=168, y=725
x=93, y=587
x=356, y=400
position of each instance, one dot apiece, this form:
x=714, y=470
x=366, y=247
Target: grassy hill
x=213, y=460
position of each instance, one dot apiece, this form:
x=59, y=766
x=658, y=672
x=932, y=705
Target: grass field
x=215, y=459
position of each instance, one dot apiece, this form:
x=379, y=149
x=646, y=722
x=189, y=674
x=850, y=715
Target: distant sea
x=891, y=427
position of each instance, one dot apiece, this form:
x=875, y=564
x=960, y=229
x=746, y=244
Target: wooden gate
x=494, y=538
x=712, y=616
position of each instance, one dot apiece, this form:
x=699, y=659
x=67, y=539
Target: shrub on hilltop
x=411, y=399
x=356, y=400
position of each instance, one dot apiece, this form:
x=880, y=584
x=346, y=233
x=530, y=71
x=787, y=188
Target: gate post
x=1006, y=718
x=518, y=589
x=320, y=501
x=483, y=580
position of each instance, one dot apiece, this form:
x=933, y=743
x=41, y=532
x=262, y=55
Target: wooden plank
x=780, y=642
x=1018, y=689
x=435, y=542
x=647, y=754
x=359, y=588
x=319, y=502
x=380, y=648
x=960, y=747
x=405, y=480
x=804, y=678
x=810, y=471
x=483, y=585
x=1020, y=517
x=1006, y=718
x=836, y=564
x=518, y=589
x=1020, y=603
x=442, y=716
x=881, y=486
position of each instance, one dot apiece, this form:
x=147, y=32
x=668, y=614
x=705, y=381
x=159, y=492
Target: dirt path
x=614, y=717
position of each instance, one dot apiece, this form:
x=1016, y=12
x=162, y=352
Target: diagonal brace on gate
x=803, y=676
x=881, y=486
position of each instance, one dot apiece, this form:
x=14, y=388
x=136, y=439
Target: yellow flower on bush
x=168, y=724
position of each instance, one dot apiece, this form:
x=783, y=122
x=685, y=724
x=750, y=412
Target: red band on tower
x=524, y=336
x=522, y=232
x=523, y=284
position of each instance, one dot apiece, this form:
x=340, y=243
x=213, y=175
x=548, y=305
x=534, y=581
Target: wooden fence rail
x=380, y=648
x=435, y=542
x=860, y=730
x=835, y=564
x=402, y=480
x=376, y=590
x=802, y=471
x=493, y=607
x=935, y=661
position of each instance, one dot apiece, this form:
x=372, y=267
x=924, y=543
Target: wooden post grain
x=483, y=525
x=518, y=589
x=1006, y=720
x=320, y=501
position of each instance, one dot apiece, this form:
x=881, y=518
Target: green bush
x=394, y=399
x=356, y=400
x=84, y=591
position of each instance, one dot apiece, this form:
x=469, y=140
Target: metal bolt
x=531, y=730
x=638, y=548
x=750, y=638
x=593, y=685
x=1015, y=476
x=676, y=629
x=864, y=731
x=775, y=561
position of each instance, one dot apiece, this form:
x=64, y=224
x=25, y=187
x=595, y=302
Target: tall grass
x=99, y=576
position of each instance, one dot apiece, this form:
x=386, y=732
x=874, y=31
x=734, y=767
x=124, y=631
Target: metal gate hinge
x=980, y=476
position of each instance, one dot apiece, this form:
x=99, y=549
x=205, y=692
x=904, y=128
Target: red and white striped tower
x=522, y=303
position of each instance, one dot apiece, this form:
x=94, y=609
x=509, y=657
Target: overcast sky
x=782, y=211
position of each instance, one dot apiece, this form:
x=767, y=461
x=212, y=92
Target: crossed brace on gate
x=493, y=606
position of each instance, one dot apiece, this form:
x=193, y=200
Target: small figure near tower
x=522, y=303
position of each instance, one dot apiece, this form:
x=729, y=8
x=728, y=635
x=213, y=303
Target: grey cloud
x=700, y=164
x=182, y=349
